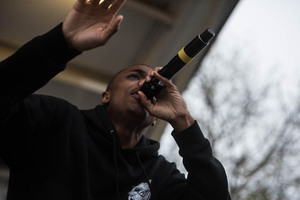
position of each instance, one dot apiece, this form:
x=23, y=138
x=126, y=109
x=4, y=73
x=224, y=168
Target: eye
x=134, y=76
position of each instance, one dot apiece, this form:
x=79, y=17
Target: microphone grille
x=207, y=35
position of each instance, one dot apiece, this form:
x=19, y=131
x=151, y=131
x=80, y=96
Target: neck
x=129, y=136
x=130, y=128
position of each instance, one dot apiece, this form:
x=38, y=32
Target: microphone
x=184, y=56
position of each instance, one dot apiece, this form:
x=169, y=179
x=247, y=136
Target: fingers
x=150, y=74
x=94, y=2
x=116, y=5
x=112, y=6
x=157, y=68
x=106, y=4
x=114, y=27
x=164, y=80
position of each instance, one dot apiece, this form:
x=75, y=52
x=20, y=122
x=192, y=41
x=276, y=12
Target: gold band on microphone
x=183, y=56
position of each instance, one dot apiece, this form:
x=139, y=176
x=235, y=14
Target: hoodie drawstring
x=144, y=171
x=117, y=170
x=116, y=164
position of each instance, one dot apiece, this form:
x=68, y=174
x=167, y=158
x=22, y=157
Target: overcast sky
x=269, y=32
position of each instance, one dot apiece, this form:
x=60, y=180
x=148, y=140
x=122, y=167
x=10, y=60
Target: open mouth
x=135, y=94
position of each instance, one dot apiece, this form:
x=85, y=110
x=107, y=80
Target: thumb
x=114, y=26
x=148, y=105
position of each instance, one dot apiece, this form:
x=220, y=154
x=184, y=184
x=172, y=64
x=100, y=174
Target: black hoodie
x=56, y=151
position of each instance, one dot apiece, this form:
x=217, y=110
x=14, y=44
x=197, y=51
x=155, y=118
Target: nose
x=141, y=82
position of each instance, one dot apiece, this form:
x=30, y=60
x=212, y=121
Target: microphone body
x=184, y=56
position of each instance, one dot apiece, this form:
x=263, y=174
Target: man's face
x=122, y=95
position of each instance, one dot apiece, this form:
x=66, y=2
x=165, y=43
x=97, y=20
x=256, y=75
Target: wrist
x=181, y=123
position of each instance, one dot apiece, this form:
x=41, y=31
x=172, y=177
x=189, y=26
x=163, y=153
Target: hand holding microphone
x=184, y=56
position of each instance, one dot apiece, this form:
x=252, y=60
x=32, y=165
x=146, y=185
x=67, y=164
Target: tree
x=252, y=128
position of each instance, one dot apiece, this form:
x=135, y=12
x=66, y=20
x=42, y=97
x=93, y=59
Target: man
x=55, y=151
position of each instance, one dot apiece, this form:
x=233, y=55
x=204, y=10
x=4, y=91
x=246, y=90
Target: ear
x=105, y=97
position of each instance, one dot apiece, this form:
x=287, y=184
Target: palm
x=89, y=25
x=168, y=108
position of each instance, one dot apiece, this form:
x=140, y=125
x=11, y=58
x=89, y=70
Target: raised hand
x=169, y=106
x=91, y=23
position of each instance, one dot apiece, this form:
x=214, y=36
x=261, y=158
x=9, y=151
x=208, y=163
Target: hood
x=102, y=126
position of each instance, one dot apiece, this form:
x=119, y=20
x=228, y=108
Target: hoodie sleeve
x=206, y=175
x=32, y=66
x=24, y=72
